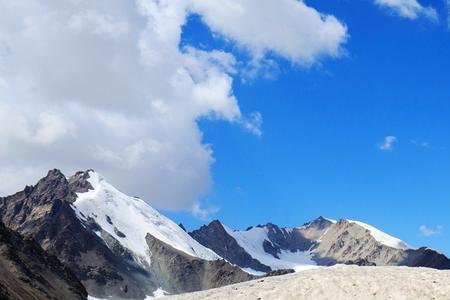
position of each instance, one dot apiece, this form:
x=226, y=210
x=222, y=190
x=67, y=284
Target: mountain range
x=119, y=247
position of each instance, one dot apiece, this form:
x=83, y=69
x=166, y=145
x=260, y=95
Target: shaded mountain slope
x=28, y=272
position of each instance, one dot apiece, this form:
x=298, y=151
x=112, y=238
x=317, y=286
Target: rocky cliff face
x=28, y=272
x=347, y=241
x=215, y=237
x=178, y=272
x=102, y=259
x=320, y=242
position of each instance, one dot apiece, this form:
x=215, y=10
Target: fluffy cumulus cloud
x=410, y=9
x=388, y=144
x=104, y=84
x=427, y=232
x=287, y=27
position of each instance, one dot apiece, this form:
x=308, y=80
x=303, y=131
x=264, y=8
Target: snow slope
x=382, y=237
x=252, y=242
x=129, y=219
x=338, y=283
x=253, y=239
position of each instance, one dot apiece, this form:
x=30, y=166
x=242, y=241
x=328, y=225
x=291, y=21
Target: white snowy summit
x=130, y=219
x=383, y=237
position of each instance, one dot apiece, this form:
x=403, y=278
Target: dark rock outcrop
x=28, y=272
x=279, y=272
x=215, y=237
x=428, y=258
x=360, y=262
x=178, y=272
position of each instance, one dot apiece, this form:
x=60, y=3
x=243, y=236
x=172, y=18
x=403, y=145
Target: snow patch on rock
x=252, y=241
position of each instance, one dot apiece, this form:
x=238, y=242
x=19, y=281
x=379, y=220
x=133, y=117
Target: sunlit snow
x=252, y=242
x=132, y=218
x=382, y=237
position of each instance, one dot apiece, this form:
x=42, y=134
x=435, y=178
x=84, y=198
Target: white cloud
x=52, y=127
x=104, y=84
x=204, y=213
x=410, y=9
x=289, y=28
x=425, y=231
x=448, y=13
x=254, y=123
x=421, y=144
x=388, y=143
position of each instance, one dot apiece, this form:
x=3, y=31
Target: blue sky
x=319, y=152
x=165, y=99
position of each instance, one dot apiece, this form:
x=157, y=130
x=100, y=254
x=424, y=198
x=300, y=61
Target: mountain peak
x=129, y=219
x=382, y=237
x=79, y=182
x=53, y=186
x=54, y=177
x=319, y=223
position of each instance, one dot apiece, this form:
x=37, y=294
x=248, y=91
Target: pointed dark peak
x=319, y=223
x=55, y=173
x=51, y=187
x=214, y=227
x=54, y=176
x=79, y=181
x=182, y=227
x=215, y=237
x=216, y=224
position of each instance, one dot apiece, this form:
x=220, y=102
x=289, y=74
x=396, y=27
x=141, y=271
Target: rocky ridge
x=28, y=272
x=322, y=242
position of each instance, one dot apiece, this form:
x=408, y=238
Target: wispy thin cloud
x=448, y=13
x=388, y=144
x=204, y=213
x=427, y=145
x=410, y=9
x=428, y=232
x=421, y=144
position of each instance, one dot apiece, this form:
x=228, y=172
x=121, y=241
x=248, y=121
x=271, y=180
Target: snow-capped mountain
x=322, y=242
x=130, y=219
x=256, y=242
x=382, y=237
x=118, y=246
